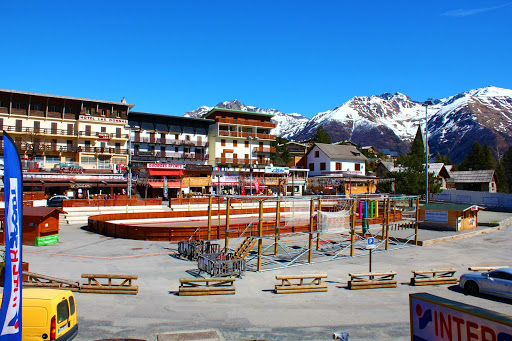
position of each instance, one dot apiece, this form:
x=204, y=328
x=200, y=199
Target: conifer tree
x=321, y=136
x=507, y=165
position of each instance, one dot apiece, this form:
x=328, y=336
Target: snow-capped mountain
x=386, y=120
x=391, y=120
x=287, y=125
x=483, y=115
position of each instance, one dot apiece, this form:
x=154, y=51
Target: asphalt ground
x=255, y=312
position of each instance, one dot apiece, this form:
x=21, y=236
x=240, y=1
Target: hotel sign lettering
x=102, y=119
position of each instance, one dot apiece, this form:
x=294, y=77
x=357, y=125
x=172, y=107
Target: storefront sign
x=277, y=170
x=163, y=166
x=436, y=318
x=102, y=119
x=436, y=216
x=199, y=168
x=73, y=177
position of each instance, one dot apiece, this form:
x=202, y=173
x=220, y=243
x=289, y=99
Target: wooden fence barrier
x=95, y=286
x=372, y=280
x=485, y=268
x=43, y=281
x=206, y=286
x=306, y=283
x=433, y=277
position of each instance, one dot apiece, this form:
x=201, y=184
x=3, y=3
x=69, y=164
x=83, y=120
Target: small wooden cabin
x=449, y=217
x=40, y=226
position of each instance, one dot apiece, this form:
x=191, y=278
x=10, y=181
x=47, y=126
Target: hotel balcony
x=246, y=122
x=263, y=150
x=16, y=130
x=171, y=155
x=171, y=142
x=103, y=150
x=101, y=135
x=243, y=134
x=239, y=161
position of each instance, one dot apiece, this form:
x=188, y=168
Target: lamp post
x=129, y=160
x=250, y=138
x=426, y=104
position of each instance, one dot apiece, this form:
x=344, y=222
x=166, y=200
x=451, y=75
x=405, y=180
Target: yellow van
x=48, y=314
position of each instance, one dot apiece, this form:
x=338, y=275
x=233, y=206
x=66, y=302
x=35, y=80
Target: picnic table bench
x=433, y=277
x=109, y=284
x=206, y=286
x=300, y=283
x=372, y=280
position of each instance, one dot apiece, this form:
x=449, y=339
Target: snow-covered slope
x=391, y=120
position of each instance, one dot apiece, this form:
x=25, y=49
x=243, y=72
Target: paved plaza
x=255, y=312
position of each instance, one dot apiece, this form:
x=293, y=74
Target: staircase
x=244, y=248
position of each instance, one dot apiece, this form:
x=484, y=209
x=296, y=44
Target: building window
x=357, y=166
x=222, y=142
x=246, y=144
x=322, y=166
x=176, y=136
x=235, y=143
x=1, y=104
x=69, y=110
x=317, y=153
x=18, y=106
x=176, y=149
x=88, y=111
x=53, y=109
x=103, y=112
x=338, y=165
x=37, y=107
x=118, y=114
x=312, y=167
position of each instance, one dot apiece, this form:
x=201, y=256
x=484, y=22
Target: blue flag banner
x=10, y=311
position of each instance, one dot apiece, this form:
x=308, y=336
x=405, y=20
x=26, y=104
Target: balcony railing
x=154, y=153
x=243, y=134
x=42, y=131
x=247, y=122
x=264, y=150
x=226, y=160
x=173, y=142
x=103, y=150
x=109, y=136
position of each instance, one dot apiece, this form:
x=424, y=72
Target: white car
x=497, y=282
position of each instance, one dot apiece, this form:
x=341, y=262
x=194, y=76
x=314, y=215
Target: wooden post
x=260, y=234
x=209, y=237
x=387, y=206
x=226, y=233
x=318, y=223
x=352, y=227
x=416, y=224
x=311, y=222
x=278, y=223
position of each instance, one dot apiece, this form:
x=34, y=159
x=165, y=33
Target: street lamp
x=250, y=138
x=129, y=160
x=426, y=104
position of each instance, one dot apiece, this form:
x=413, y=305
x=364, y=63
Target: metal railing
x=244, y=134
x=247, y=122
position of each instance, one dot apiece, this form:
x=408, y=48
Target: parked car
x=48, y=314
x=56, y=201
x=497, y=282
x=67, y=167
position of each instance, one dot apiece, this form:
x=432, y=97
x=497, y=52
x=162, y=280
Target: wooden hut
x=449, y=217
x=40, y=226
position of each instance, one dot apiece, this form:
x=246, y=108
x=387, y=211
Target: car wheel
x=471, y=288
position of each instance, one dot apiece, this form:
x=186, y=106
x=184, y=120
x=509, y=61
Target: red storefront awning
x=166, y=172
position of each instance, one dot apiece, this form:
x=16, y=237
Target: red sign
x=103, y=136
x=163, y=166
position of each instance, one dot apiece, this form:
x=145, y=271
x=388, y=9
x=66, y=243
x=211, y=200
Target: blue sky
x=170, y=57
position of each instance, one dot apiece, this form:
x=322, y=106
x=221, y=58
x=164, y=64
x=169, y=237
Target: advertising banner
x=10, y=311
x=436, y=318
